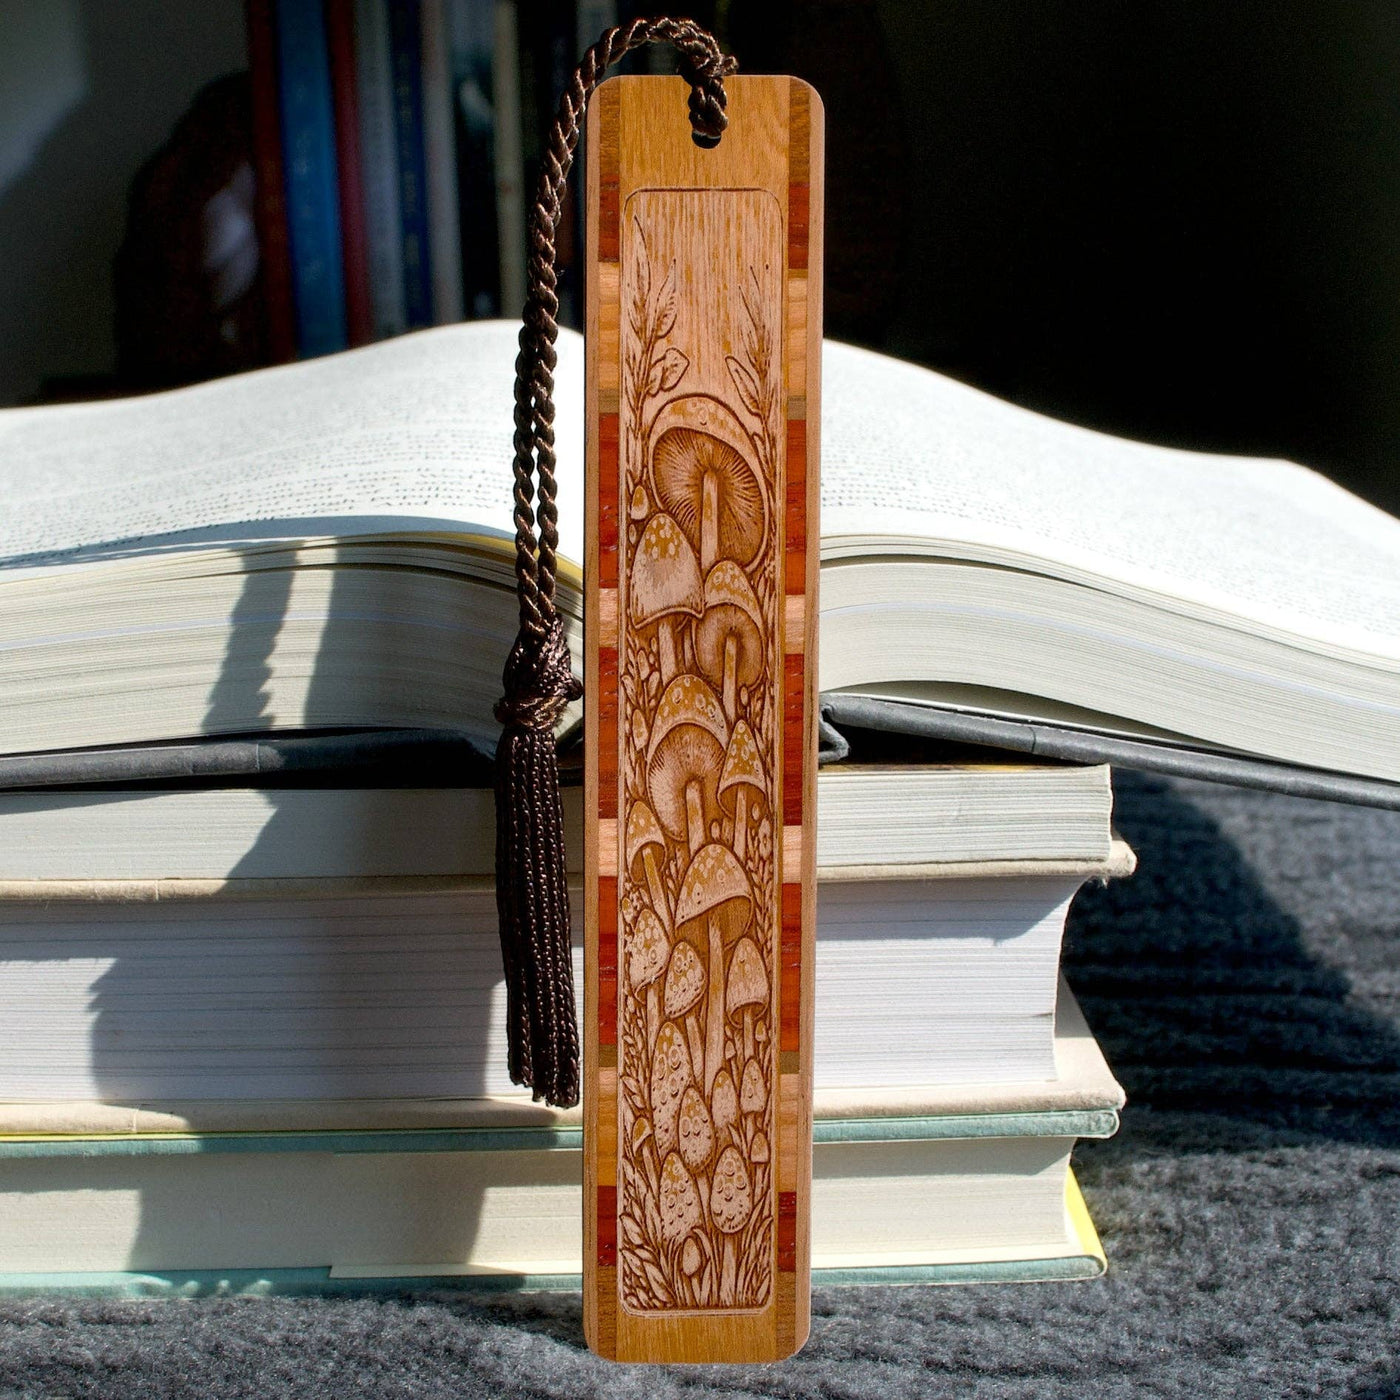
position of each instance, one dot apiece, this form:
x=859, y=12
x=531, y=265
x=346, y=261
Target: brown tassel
x=532, y=894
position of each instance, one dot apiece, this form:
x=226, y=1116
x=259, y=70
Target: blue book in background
x=406, y=57
x=309, y=161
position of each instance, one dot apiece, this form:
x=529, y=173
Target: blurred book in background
x=395, y=143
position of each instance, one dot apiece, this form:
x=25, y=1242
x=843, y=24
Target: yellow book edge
x=1081, y=1224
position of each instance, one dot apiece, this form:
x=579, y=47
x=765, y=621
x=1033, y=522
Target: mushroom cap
x=697, y=436
x=670, y=1074
x=690, y=1257
x=731, y=1197
x=724, y=1102
x=697, y=1133
x=730, y=610
x=742, y=765
x=643, y=830
x=747, y=984
x=715, y=886
x=759, y=1151
x=753, y=1092
x=688, y=739
x=647, y=949
x=680, y=1201
x=665, y=574
x=685, y=980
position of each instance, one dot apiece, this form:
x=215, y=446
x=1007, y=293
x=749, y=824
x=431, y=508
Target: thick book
x=970, y=1184
x=330, y=545
x=338, y=943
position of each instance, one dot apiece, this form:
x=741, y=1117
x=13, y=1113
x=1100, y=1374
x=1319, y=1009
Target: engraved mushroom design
x=715, y=891
x=688, y=741
x=729, y=645
x=664, y=586
x=699, y=710
x=707, y=484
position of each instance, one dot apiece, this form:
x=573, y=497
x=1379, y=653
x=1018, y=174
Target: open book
x=328, y=545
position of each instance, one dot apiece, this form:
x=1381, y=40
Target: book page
x=415, y=434
x=410, y=433
x=913, y=456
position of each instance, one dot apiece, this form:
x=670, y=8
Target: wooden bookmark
x=704, y=343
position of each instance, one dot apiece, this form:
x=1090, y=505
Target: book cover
x=270, y=208
x=406, y=60
x=379, y=168
x=340, y=38
x=440, y=162
x=473, y=88
x=312, y=184
x=509, y=159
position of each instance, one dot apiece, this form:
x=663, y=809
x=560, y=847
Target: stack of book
x=254, y=1037
x=253, y=633
x=395, y=145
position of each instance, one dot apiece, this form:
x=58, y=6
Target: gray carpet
x=1246, y=989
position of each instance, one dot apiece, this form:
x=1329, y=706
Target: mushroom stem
x=694, y=816
x=666, y=639
x=709, y=521
x=659, y=902
x=728, y=1277
x=741, y=826
x=692, y=1034
x=653, y=1017
x=714, y=1013
x=731, y=675
x=748, y=1034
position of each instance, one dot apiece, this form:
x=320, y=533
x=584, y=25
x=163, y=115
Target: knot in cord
x=539, y=680
x=705, y=70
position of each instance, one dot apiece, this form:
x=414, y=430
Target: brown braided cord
x=531, y=887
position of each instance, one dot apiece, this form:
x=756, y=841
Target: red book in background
x=270, y=207
x=340, y=39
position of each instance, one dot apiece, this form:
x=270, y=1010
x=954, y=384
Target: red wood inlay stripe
x=799, y=218
x=607, y=960
x=608, y=205
x=794, y=745
x=787, y=1232
x=795, y=580
x=607, y=500
x=607, y=1226
x=790, y=953
x=607, y=733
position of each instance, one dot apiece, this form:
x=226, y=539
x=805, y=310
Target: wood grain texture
x=704, y=333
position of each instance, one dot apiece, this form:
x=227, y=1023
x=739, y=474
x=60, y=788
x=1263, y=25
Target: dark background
x=1177, y=220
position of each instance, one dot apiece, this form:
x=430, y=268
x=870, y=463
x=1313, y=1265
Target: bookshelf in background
x=396, y=142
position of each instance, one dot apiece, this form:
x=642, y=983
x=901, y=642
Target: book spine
x=406, y=56
x=440, y=152
x=379, y=168
x=340, y=39
x=510, y=161
x=270, y=206
x=313, y=198
x=473, y=90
